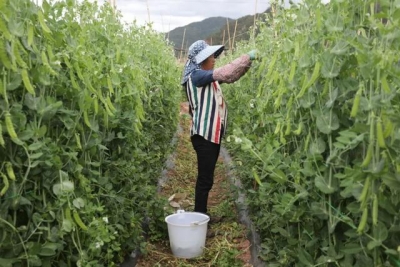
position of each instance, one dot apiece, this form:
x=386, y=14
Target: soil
x=229, y=233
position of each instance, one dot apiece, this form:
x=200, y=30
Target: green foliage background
x=93, y=121
x=315, y=134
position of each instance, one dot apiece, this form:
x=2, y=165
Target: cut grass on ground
x=229, y=246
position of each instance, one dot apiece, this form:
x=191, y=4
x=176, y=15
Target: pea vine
x=318, y=114
x=88, y=107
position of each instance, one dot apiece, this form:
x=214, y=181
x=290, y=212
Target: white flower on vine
x=252, y=103
x=105, y=219
x=238, y=139
x=98, y=244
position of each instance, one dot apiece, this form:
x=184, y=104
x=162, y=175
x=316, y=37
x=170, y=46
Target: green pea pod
x=27, y=82
x=293, y=66
x=11, y=129
x=6, y=184
x=2, y=142
x=4, y=29
x=379, y=134
x=31, y=33
x=4, y=59
x=109, y=83
x=375, y=210
x=42, y=22
x=79, y=221
x=363, y=197
x=368, y=156
x=288, y=127
x=356, y=103
x=363, y=221
x=256, y=177
x=10, y=171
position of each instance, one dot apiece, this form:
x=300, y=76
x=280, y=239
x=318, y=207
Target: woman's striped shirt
x=206, y=101
x=208, y=110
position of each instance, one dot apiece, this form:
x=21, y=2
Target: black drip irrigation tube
x=243, y=211
x=170, y=162
x=131, y=259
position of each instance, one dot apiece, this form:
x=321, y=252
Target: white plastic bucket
x=187, y=233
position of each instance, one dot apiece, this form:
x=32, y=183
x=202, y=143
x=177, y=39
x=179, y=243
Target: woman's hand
x=253, y=54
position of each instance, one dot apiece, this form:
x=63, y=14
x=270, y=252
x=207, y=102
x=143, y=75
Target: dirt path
x=229, y=246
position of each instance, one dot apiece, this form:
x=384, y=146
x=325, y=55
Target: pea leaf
x=380, y=232
x=48, y=249
x=392, y=181
x=31, y=102
x=326, y=123
x=79, y=203
x=35, y=261
x=64, y=187
x=278, y=176
x=325, y=259
x=340, y=48
x=16, y=27
x=34, y=248
x=307, y=101
x=322, y=183
x=67, y=225
x=35, y=146
x=334, y=23
x=305, y=258
x=15, y=82
x=351, y=248
x=332, y=98
x=373, y=244
x=330, y=66
x=8, y=262
x=317, y=147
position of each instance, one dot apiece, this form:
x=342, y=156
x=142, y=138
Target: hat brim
x=215, y=50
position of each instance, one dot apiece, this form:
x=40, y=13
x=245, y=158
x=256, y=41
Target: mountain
x=214, y=30
x=242, y=32
x=195, y=31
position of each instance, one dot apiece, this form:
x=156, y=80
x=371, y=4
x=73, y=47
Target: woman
x=208, y=108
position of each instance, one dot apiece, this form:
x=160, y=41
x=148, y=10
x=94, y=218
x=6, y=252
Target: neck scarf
x=191, y=64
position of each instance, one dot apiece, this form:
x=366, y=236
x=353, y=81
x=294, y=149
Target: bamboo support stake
x=223, y=38
x=273, y=7
x=255, y=19
x=229, y=34
x=183, y=42
x=148, y=10
x=234, y=35
x=112, y=4
x=186, y=50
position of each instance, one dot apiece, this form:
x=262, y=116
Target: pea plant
x=316, y=133
x=88, y=107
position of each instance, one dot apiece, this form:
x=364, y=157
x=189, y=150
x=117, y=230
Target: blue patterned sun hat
x=198, y=52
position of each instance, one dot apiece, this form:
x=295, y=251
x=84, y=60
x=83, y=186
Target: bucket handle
x=198, y=222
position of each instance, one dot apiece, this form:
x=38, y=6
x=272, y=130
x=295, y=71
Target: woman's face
x=209, y=63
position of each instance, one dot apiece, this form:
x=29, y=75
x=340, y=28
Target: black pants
x=207, y=156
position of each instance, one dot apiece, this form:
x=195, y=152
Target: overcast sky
x=167, y=15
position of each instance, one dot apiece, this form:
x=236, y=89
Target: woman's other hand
x=253, y=54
